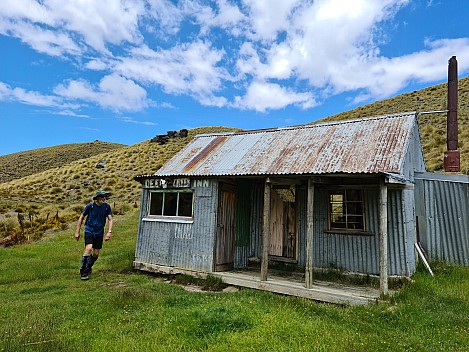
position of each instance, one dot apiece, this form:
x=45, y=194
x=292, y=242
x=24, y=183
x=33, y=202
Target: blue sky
x=124, y=71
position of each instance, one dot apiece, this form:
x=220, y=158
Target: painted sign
x=167, y=183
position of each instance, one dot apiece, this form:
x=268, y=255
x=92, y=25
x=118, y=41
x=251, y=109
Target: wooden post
x=265, y=231
x=309, y=236
x=383, y=237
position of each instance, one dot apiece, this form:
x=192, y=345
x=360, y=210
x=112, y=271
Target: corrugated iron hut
x=337, y=194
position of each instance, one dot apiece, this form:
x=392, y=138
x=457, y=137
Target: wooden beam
x=309, y=236
x=265, y=231
x=383, y=237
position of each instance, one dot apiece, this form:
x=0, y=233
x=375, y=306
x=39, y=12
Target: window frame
x=346, y=204
x=178, y=192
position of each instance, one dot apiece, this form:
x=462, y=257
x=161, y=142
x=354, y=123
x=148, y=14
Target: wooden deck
x=321, y=291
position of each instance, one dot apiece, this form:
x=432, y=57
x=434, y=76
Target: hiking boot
x=84, y=274
x=83, y=270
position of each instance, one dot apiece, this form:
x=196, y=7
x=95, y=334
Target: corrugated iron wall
x=443, y=211
x=190, y=245
x=243, y=222
x=257, y=201
x=359, y=253
x=184, y=245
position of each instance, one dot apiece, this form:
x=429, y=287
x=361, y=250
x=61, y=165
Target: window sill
x=174, y=219
x=349, y=232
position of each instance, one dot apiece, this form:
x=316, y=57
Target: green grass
x=46, y=307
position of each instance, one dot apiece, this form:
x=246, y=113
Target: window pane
x=355, y=222
x=156, y=203
x=354, y=195
x=337, y=198
x=346, y=209
x=185, y=204
x=354, y=208
x=170, y=204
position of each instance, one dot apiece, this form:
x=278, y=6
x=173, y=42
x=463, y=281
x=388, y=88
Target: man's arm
x=77, y=232
x=109, y=229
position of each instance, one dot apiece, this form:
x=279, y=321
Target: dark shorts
x=96, y=241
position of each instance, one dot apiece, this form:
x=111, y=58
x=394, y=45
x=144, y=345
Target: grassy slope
x=433, y=126
x=67, y=188
x=21, y=164
x=46, y=307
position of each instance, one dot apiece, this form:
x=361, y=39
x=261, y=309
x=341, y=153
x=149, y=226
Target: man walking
x=96, y=214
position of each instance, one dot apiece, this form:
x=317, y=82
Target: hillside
x=18, y=165
x=60, y=192
x=55, y=197
x=432, y=126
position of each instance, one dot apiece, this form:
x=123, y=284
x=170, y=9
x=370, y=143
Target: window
x=346, y=210
x=171, y=203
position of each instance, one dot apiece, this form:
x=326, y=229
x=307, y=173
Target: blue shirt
x=96, y=218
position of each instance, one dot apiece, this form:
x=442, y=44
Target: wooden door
x=225, y=233
x=282, y=224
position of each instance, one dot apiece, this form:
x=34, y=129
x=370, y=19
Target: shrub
x=56, y=190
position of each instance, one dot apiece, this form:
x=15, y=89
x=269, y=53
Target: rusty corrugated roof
x=369, y=145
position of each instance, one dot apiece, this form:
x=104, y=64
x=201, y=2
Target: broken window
x=171, y=203
x=346, y=210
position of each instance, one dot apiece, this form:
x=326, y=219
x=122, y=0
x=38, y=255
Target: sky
x=74, y=71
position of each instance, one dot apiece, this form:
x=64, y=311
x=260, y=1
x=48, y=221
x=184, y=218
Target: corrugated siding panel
x=357, y=253
x=184, y=245
x=257, y=196
x=443, y=211
x=301, y=202
x=243, y=222
x=372, y=145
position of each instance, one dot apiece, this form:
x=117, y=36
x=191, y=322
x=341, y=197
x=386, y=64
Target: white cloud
x=113, y=92
x=184, y=69
x=131, y=120
x=249, y=54
x=265, y=96
x=55, y=27
x=8, y=93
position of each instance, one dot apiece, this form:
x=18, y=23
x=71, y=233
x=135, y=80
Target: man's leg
x=85, y=259
x=92, y=259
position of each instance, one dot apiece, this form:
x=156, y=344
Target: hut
x=327, y=195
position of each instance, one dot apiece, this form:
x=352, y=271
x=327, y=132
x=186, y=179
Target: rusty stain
x=204, y=153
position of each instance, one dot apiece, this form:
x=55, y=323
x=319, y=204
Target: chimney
x=452, y=158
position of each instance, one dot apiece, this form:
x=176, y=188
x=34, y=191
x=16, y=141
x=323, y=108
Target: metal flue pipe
x=452, y=156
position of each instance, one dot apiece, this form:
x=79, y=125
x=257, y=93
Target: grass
x=63, y=191
x=21, y=164
x=46, y=307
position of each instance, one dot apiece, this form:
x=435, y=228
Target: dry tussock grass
x=21, y=164
x=65, y=187
x=432, y=127
x=64, y=190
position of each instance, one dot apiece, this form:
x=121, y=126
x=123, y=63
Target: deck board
x=320, y=291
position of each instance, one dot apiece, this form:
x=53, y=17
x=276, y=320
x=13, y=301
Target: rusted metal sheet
x=370, y=145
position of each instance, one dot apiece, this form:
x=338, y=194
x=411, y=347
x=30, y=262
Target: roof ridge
x=309, y=125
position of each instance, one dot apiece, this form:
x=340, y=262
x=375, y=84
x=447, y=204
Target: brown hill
x=432, y=126
x=54, y=197
x=21, y=164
